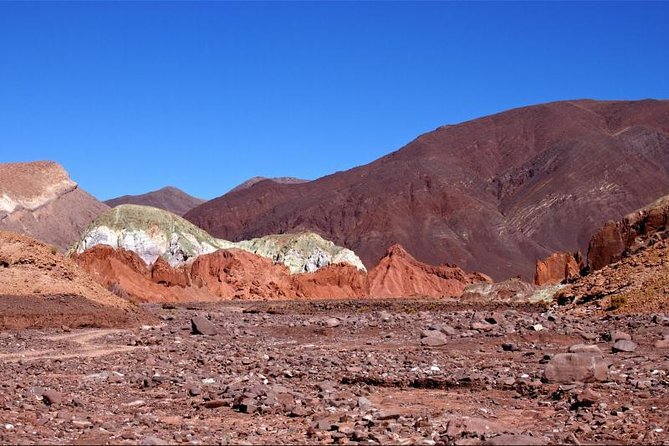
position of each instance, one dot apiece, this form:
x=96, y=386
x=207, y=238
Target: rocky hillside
x=39, y=199
x=633, y=232
x=493, y=194
x=628, y=264
x=168, y=198
x=39, y=287
x=154, y=233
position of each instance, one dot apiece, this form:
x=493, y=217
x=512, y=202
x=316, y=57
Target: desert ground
x=344, y=372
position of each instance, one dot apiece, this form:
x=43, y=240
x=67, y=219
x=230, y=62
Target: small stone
x=52, y=397
x=385, y=316
x=214, y=404
x=481, y=326
x=364, y=404
x=661, y=343
x=624, y=345
x=620, y=336
x=585, y=348
x=514, y=440
x=332, y=322
x=202, y=326
x=388, y=415
x=433, y=341
x=152, y=441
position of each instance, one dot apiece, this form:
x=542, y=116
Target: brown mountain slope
x=41, y=288
x=255, y=180
x=40, y=199
x=492, y=195
x=168, y=198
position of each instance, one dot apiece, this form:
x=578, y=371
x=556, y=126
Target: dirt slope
x=39, y=287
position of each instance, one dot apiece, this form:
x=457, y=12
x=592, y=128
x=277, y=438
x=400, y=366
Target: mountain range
x=492, y=194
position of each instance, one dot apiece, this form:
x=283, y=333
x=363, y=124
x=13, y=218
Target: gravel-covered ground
x=365, y=372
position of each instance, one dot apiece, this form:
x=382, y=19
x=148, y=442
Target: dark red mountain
x=168, y=198
x=255, y=180
x=492, y=195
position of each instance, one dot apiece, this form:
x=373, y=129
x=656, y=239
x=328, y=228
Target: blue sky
x=132, y=96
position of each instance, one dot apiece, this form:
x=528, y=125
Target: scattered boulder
x=332, y=322
x=624, y=345
x=433, y=338
x=568, y=368
x=202, y=326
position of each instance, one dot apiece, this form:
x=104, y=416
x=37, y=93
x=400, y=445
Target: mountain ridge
x=493, y=194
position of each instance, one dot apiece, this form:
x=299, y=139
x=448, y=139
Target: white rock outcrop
x=153, y=233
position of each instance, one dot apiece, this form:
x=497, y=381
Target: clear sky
x=132, y=96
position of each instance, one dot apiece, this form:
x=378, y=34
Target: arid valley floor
x=356, y=372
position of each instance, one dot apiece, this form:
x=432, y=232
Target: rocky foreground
x=360, y=372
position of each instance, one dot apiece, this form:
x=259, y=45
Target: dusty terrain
x=356, y=372
x=39, y=287
x=493, y=194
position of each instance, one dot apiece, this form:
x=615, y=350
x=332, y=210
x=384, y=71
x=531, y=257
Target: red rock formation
x=616, y=238
x=163, y=274
x=237, y=274
x=558, y=267
x=492, y=194
x=126, y=270
x=398, y=274
x=339, y=281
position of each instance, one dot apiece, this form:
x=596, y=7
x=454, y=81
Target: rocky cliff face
x=636, y=230
x=39, y=199
x=398, y=274
x=168, y=198
x=492, y=195
x=637, y=283
x=557, y=268
x=154, y=233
